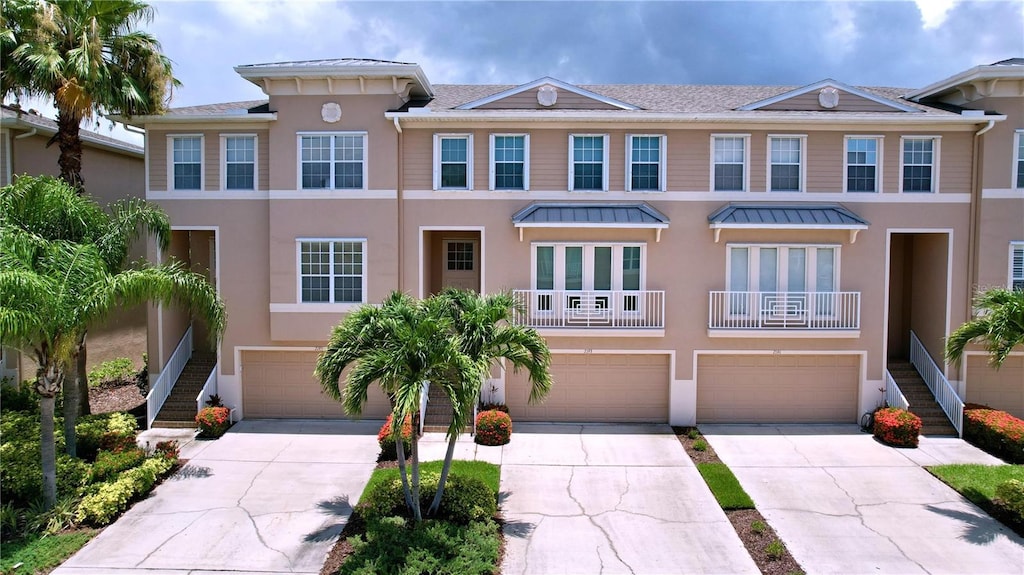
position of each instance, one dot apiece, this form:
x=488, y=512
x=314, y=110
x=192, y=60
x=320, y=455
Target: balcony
x=608, y=313
x=783, y=314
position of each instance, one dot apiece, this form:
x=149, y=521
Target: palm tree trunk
x=49, y=451
x=83, y=379
x=70, y=160
x=436, y=503
x=70, y=408
x=416, y=512
x=400, y=452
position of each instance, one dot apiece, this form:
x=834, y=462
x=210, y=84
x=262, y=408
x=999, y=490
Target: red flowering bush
x=493, y=427
x=213, y=421
x=997, y=432
x=388, y=447
x=168, y=449
x=898, y=427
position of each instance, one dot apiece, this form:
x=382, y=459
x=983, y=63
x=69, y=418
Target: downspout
x=400, y=207
x=27, y=134
x=10, y=167
x=974, y=224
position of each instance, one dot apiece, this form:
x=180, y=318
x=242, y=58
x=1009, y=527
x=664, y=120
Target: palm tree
x=398, y=345
x=88, y=56
x=52, y=210
x=998, y=325
x=483, y=327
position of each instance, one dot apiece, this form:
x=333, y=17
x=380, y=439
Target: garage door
x=1002, y=389
x=281, y=384
x=777, y=388
x=596, y=388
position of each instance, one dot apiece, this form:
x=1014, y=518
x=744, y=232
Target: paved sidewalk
x=610, y=499
x=268, y=497
x=844, y=503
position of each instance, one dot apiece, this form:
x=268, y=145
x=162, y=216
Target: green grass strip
x=486, y=472
x=724, y=486
x=977, y=482
x=42, y=553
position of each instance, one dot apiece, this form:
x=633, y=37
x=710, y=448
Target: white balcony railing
x=161, y=389
x=590, y=309
x=940, y=387
x=784, y=310
x=209, y=388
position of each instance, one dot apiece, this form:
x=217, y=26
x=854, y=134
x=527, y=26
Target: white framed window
x=862, y=164
x=185, y=161
x=645, y=163
x=730, y=156
x=238, y=162
x=1016, y=279
x=591, y=269
x=783, y=277
x=331, y=270
x=1018, y=159
x=919, y=164
x=786, y=163
x=453, y=161
x=332, y=161
x=588, y=162
x=510, y=162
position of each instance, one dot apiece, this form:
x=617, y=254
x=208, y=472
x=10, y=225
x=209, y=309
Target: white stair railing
x=209, y=388
x=944, y=393
x=893, y=396
x=161, y=390
x=424, y=398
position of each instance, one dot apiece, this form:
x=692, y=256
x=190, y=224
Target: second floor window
x=453, y=162
x=332, y=271
x=1016, y=265
x=1018, y=180
x=187, y=162
x=729, y=159
x=645, y=172
x=862, y=164
x=509, y=162
x=333, y=161
x=588, y=162
x=919, y=172
x=239, y=162
x=785, y=159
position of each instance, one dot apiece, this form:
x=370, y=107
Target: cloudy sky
x=878, y=43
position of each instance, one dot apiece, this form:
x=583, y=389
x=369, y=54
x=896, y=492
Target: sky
x=874, y=43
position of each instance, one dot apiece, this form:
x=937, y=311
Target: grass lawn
x=977, y=482
x=487, y=472
x=39, y=553
x=724, y=486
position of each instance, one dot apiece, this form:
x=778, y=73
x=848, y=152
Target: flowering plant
x=493, y=427
x=897, y=427
x=997, y=432
x=386, y=439
x=213, y=421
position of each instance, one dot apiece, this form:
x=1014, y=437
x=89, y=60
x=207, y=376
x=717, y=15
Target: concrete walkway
x=610, y=499
x=268, y=497
x=844, y=503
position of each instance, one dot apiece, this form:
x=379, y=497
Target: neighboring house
x=112, y=169
x=692, y=254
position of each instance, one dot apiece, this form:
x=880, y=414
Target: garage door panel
x=596, y=388
x=777, y=389
x=279, y=384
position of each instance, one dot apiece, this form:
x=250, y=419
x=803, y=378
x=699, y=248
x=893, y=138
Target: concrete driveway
x=268, y=497
x=844, y=503
x=610, y=499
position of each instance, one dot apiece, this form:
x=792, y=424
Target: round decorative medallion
x=330, y=112
x=828, y=98
x=547, y=95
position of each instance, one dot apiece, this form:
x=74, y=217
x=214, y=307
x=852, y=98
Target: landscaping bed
x=979, y=483
x=764, y=546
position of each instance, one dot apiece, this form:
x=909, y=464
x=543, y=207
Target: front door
x=460, y=265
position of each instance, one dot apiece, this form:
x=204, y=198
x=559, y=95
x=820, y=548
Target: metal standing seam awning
x=786, y=217
x=590, y=215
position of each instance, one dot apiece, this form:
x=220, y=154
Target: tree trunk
x=70, y=144
x=436, y=503
x=417, y=514
x=70, y=409
x=84, y=408
x=49, y=451
x=400, y=453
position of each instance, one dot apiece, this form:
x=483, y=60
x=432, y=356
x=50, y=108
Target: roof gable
x=565, y=96
x=814, y=97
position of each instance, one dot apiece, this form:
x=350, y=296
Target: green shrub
x=9, y=520
x=116, y=370
x=21, y=473
x=897, y=427
x=110, y=463
x=388, y=448
x=996, y=432
x=775, y=549
x=493, y=427
x=700, y=445
x=758, y=526
x=693, y=433
x=18, y=396
x=107, y=500
x=465, y=499
x=1010, y=495
x=392, y=545
x=108, y=431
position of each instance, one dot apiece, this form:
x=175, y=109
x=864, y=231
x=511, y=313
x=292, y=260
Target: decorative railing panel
x=620, y=309
x=784, y=310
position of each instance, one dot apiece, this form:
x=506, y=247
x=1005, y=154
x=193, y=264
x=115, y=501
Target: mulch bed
x=115, y=396
x=757, y=541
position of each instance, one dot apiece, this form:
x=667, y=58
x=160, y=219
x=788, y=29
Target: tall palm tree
x=398, y=345
x=998, y=325
x=54, y=211
x=87, y=56
x=482, y=325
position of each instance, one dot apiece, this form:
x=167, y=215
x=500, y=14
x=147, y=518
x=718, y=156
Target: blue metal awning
x=786, y=217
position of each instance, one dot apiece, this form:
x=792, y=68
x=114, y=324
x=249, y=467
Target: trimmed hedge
x=388, y=447
x=213, y=421
x=996, y=432
x=465, y=499
x=106, y=431
x=106, y=501
x=493, y=427
x=1010, y=494
x=897, y=427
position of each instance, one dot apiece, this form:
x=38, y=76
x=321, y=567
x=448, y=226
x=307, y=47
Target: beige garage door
x=777, y=388
x=596, y=388
x=281, y=384
x=1002, y=389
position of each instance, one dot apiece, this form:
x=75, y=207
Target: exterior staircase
x=922, y=401
x=439, y=410
x=179, y=411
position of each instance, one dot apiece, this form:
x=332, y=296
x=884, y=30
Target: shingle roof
x=245, y=107
x=49, y=127
x=618, y=215
x=832, y=215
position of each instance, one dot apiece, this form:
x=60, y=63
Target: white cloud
x=843, y=36
x=933, y=12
